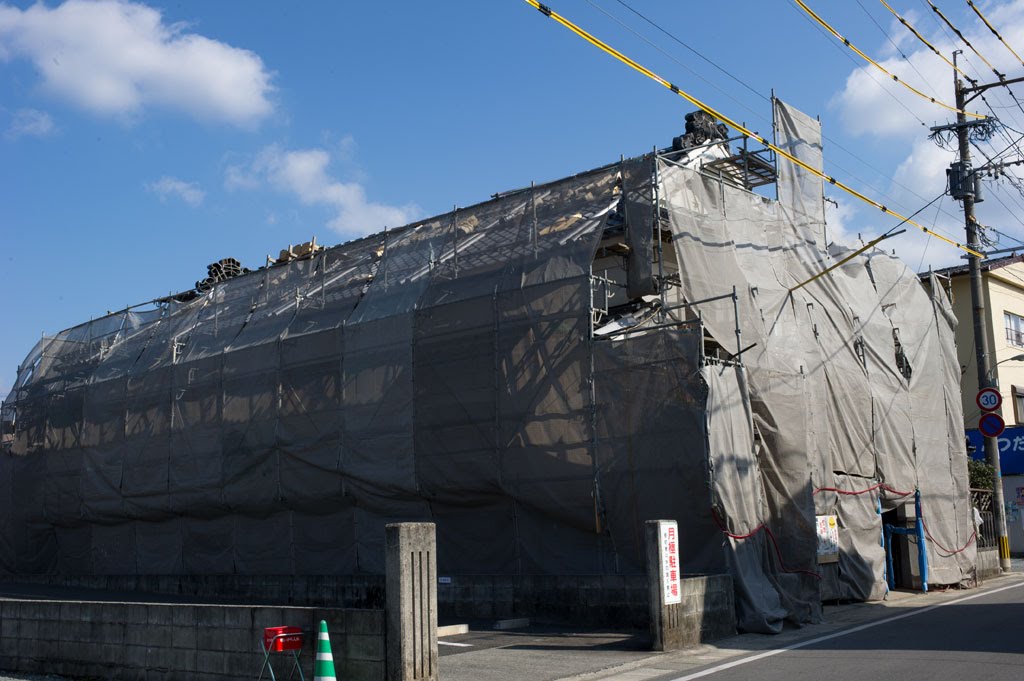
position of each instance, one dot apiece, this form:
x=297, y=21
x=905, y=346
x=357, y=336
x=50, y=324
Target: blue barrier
x=922, y=549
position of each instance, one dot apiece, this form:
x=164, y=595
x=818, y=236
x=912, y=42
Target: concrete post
x=664, y=585
x=411, y=594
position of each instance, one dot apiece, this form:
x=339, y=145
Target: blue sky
x=140, y=142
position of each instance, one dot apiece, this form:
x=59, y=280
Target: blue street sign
x=1011, y=449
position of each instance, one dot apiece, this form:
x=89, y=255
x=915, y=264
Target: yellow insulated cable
x=961, y=36
x=925, y=41
x=994, y=31
x=811, y=13
x=598, y=43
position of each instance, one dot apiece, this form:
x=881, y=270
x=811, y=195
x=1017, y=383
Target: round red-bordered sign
x=988, y=399
x=991, y=425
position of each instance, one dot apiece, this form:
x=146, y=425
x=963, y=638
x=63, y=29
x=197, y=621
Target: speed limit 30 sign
x=989, y=399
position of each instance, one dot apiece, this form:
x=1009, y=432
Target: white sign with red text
x=670, y=568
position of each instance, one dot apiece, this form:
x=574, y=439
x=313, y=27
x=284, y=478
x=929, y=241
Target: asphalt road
x=981, y=639
x=973, y=635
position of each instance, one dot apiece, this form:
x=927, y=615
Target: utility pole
x=981, y=348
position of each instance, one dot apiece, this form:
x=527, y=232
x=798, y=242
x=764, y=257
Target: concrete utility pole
x=981, y=349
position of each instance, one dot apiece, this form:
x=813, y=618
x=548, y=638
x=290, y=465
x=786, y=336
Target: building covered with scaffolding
x=538, y=375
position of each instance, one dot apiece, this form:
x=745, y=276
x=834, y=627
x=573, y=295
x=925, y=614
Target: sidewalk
x=547, y=655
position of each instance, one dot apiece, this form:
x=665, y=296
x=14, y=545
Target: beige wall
x=1004, y=292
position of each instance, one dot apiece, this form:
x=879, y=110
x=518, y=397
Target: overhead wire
x=1011, y=211
x=1001, y=76
x=925, y=79
x=1012, y=145
x=757, y=114
x=1016, y=104
x=997, y=158
x=928, y=242
x=896, y=47
x=832, y=141
x=992, y=28
x=963, y=39
x=692, y=50
x=924, y=40
x=872, y=184
x=1009, y=91
x=870, y=73
x=945, y=25
x=896, y=99
x=608, y=49
x=747, y=86
x=878, y=66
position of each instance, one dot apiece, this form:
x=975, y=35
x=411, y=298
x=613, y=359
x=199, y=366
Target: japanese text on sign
x=1011, y=448
x=828, y=539
x=670, y=568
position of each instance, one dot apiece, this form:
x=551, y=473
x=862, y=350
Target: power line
x=965, y=41
x=857, y=64
x=924, y=40
x=758, y=115
x=992, y=28
x=746, y=85
x=896, y=47
x=779, y=152
x=896, y=182
x=874, y=185
x=878, y=66
x=695, y=52
x=928, y=242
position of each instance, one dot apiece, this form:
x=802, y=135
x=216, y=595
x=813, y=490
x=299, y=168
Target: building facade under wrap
x=538, y=375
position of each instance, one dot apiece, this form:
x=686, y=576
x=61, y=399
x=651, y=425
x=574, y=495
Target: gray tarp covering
x=832, y=407
x=449, y=371
x=441, y=371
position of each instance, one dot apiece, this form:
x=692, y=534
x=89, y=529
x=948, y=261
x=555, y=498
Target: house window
x=1018, y=404
x=1014, y=329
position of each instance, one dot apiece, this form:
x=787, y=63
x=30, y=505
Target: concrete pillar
x=411, y=594
x=664, y=585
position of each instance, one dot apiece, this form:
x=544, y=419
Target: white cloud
x=30, y=123
x=838, y=217
x=867, y=109
x=871, y=103
x=171, y=187
x=304, y=174
x=119, y=58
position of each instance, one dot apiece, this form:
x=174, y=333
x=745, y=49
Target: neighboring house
x=1003, y=286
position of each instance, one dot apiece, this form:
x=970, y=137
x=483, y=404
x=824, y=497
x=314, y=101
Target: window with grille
x=1014, y=329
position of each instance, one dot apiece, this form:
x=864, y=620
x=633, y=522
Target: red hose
x=863, y=491
x=950, y=552
x=775, y=543
x=771, y=535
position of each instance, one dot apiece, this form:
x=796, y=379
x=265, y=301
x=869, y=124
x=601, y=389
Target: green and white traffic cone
x=323, y=668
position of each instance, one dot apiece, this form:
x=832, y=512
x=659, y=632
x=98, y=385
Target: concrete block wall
x=590, y=599
x=159, y=641
x=708, y=609
x=988, y=563
x=621, y=600
x=346, y=591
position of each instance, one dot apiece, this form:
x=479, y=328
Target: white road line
x=845, y=632
x=453, y=643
